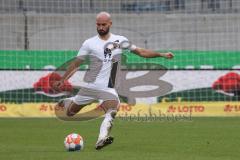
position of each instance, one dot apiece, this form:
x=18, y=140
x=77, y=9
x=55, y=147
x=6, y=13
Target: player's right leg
x=69, y=106
x=74, y=104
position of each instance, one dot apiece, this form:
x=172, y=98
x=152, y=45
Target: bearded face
x=102, y=31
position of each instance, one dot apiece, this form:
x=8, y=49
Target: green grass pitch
x=198, y=139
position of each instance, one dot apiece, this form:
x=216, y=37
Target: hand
x=56, y=86
x=168, y=55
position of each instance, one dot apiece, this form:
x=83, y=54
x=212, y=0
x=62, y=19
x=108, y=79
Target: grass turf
x=198, y=139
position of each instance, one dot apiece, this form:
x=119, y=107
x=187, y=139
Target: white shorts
x=89, y=95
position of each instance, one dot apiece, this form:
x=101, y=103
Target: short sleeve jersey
x=103, y=60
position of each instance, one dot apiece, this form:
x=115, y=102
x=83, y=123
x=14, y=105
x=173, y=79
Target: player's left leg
x=104, y=139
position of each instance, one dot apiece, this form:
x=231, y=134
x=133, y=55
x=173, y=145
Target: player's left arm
x=151, y=54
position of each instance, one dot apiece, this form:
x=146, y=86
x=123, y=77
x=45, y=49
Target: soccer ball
x=73, y=142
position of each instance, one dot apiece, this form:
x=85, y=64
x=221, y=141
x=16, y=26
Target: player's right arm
x=73, y=66
x=71, y=69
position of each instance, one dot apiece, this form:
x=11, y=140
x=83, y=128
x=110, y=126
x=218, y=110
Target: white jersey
x=104, y=61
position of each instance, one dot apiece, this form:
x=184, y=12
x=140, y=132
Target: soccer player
x=104, y=52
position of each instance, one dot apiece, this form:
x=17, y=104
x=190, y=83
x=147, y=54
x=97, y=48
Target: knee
x=73, y=109
x=110, y=105
x=115, y=105
x=114, y=113
x=69, y=113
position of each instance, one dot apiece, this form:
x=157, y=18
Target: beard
x=102, y=32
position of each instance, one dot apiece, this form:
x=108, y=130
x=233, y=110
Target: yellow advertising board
x=163, y=109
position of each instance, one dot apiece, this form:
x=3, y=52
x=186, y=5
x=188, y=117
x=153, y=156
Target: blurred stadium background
x=37, y=36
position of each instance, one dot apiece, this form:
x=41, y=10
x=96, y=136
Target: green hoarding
x=183, y=59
